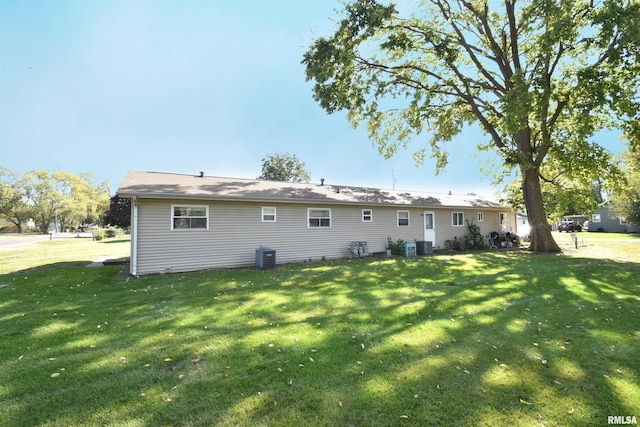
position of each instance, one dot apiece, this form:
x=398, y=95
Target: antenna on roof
x=393, y=179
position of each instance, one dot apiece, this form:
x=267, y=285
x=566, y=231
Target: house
x=184, y=223
x=523, y=229
x=604, y=219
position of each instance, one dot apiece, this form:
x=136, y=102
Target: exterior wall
x=236, y=230
x=445, y=230
x=609, y=222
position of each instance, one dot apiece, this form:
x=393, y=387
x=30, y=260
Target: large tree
x=78, y=201
x=284, y=167
x=540, y=77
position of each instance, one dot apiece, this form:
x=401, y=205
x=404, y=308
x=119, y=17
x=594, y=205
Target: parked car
x=568, y=226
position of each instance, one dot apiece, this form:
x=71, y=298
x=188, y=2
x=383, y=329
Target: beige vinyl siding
x=236, y=230
x=446, y=231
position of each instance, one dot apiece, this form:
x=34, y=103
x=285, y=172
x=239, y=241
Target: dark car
x=568, y=226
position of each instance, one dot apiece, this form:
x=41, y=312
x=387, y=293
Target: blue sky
x=185, y=86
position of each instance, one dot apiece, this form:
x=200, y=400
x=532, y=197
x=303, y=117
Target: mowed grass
x=67, y=251
x=502, y=338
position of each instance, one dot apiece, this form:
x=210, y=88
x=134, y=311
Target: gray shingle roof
x=168, y=185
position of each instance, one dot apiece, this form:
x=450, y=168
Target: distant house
x=523, y=229
x=604, y=219
x=185, y=223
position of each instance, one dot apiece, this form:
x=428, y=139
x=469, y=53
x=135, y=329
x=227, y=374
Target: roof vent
x=321, y=181
x=201, y=174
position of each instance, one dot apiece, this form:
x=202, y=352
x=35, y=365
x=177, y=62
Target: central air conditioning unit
x=265, y=258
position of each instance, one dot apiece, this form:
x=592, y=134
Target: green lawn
x=482, y=339
x=602, y=236
x=67, y=251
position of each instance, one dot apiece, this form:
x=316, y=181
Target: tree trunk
x=541, y=238
x=17, y=223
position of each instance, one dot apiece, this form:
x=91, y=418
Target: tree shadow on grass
x=480, y=339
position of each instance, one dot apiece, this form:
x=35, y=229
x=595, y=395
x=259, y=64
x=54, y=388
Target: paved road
x=22, y=240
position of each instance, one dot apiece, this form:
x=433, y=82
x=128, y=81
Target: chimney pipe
x=321, y=181
x=201, y=174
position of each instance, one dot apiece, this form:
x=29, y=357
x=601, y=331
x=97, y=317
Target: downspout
x=134, y=237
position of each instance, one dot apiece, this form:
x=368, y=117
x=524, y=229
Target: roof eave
x=126, y=194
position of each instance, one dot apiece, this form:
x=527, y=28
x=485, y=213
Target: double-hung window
x=367, y=215
x=318, y=218
x=457, y=219
x=403, y=218
x=268, y=214
x=189, y=217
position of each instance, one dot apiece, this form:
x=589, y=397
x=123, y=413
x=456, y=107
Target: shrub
x=396, y=248
x=475, y=239
x=9, y=228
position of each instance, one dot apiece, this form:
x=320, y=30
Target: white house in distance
x=185, y=223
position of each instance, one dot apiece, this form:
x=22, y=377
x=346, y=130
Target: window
x=457, y=219
x=186, y=217
x=403, y=218
x=596, y=218
x=504, y=218
x=319, y=218
x=268, y=214
x=480, y=216
x=623, y=221
x=367, y=215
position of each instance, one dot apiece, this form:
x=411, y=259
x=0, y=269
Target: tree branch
x=470, y=49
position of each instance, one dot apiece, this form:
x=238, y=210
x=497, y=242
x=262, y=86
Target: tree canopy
x=119, y=212
x=540, y=77
x=45, y=197
x=626, y=200
x=284, y=167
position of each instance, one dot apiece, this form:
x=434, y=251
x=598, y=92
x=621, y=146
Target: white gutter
x=134, y=237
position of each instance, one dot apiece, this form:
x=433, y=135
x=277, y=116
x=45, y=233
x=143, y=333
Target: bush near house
x=397, y=247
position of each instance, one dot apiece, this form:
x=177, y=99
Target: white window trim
x=623, y=221
x=480, y=216
x=596, y=218
x=275, y=216
x=370, y=215
x=398, y=219
x=503, y=218
x=179, y=205
x=455, y=215
x=319, y=209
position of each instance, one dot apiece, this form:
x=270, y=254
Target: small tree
x=119, y=213
x=284, y=167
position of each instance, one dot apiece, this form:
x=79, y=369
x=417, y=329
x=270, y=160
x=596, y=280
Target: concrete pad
x=107, y=260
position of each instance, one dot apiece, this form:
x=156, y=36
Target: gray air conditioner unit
x=265, y=258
